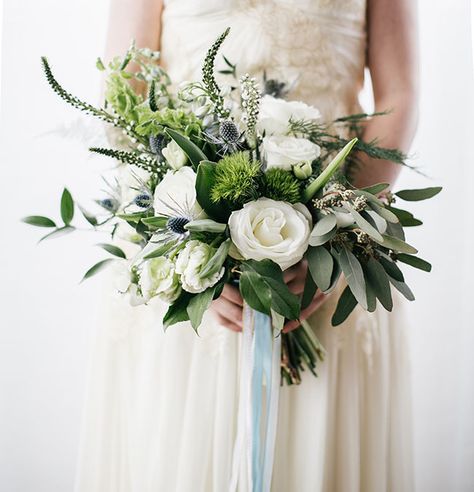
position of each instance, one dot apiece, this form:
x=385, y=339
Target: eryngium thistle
x=176, y=224
x=228, y=131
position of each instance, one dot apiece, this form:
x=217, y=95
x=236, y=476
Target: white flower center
x=268, y=226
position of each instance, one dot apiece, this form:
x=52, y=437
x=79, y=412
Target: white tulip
x=275, y=114
x=174, y=155
x=158, y=278
x=189, y=264
x=284, y=152
x=271, y=229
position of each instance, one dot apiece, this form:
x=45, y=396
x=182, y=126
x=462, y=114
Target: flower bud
x=302, y=170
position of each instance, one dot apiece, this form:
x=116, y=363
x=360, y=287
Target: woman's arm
x=393, y=63
x=133, y=19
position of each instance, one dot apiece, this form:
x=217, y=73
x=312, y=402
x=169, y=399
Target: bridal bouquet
x=234, y=185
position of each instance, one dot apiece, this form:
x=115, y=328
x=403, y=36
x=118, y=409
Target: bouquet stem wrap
x=258, y=404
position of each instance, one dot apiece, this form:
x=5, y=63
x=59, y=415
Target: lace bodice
x=317, y=46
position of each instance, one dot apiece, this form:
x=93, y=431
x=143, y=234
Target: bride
x=161, y=409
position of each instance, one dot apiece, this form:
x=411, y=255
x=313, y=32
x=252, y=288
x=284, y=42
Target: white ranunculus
x=271, y=229
x=191, y=260
x=175, y=195
x=284, y=152
x=174, y=155
x=275, y=114
x=158, y=278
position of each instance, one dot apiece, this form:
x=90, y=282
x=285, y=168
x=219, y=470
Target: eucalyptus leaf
x=325, y=225
x=403, y=288
x=364, y=224
x=67, y=207
x=379, y=282
x=406, y=218
x=354, y=275
x=384, y=212
x=205, y=225
x=113, y=250
x=392, y=269
x=376, y=220
x=217, y=261
x=420, y=194
x=320, y=240
x=39, y=221
x=320, y=264
x=371, y=298
x=395, y=230
x=336, y=273
x=198, y=305
x=93, y=270
x=346, y=304
x=397, y=245
x=310, y=289
x=415, y=262
x=376, y=188
x=194, y=153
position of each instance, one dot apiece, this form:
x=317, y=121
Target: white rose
x=175, y=195
x=174, y=155
x=270, y=229
x=275, y=114
x=158, y=278
x=284, y=152
x=191, y=260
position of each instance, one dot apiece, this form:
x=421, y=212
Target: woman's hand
x=228, y=308
x=295, y=279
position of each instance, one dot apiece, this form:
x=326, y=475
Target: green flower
x=120, y=95
x=281, y=185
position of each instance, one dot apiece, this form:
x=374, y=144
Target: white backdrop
x=47, y=319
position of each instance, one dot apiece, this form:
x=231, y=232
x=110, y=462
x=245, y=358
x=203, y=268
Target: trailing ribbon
x=258, y=409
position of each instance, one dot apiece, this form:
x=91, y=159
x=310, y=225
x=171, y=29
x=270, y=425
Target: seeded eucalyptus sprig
x=209, y=80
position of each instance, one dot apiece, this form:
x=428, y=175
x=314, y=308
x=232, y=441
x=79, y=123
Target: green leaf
x=96, y=268
x=354, y=275
x=198, y=305
x=38, y=221
x=371, y=298
x=326, y=174
x=205, y=225
x=320, y=264
x=415, y=262
x=217, y=260
x=160, y=250
x=255, y=291
x=90, y=218
x=395, y=230
x=392, y=269
x=136, y=217
x=420, y=194
x=113, y=250
x=384, y=212
x=320, y=240
x=204, y=183
x=336, y=273
x=61, y=231
x=310, y=289
x=155, y=222
x=67, y=207
x=378, y=279
x=100, y=64
x=376, y=188
x=346, y=304
x=403, y=288
x=406, y=218
x=282, y=300
x=365, y=225
x=194, y=153
x=177, y=311
x=325, y=225
x=397, y=245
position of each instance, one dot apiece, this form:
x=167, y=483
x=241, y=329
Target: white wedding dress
x=161, y=407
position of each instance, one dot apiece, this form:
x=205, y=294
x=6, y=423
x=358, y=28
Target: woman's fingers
x=317, y=301
x=296, y=271
x=228, y=324
x=228, y=313
x=232, y=294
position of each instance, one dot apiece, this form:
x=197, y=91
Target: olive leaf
x=346, y=304
x=378, y=280
x=415, y=262
x=420, y=194
x=354, y=275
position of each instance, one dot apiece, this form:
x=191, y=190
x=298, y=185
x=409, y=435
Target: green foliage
x=236, y=179
x=279, y=184
x=121, y=96
x=155, y=122
x=67, y=207
x=39, y=221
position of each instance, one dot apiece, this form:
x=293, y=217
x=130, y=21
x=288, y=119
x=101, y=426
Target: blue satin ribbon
x=262, y=371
